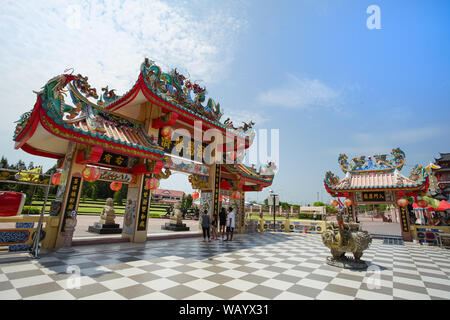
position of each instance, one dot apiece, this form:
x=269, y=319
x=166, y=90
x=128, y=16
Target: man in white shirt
x=230, y=224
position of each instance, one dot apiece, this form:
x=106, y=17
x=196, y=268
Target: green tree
x=319, y=204
x=20, y=165
x=183, y=202
x=94, y=192
x=328, y=208
x=4, y=163
x=189, y=201
x=118, y=200
x=285, y=205
x=331, y=209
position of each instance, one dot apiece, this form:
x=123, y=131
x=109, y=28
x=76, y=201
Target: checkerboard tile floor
x=251, y=267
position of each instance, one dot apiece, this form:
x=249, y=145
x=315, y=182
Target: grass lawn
x=91, y=207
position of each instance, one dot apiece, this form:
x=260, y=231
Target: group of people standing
x=222, y=225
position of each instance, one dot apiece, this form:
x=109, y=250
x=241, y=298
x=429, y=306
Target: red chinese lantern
x=195, y=195
x=115, y=186
x=221, y=198
x=55, y=178
x=236, y=195
x=334, y=203
x=167, y=132
x=402, y=202
x=152, y=184
x=348, y=202
x=90, y=174
x=422, y=203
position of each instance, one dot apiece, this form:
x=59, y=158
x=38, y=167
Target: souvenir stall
x=432, y=221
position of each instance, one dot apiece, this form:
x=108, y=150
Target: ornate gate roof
x=375, y=173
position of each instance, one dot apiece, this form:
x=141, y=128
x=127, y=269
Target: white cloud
x=398, y=137
x=383, y=141
x=241, y=115
x=301, y=94
x=177, y=181
x=107, y=41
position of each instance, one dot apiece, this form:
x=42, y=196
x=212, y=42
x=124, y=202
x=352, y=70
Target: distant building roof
x=169, y=193
x=444, y=157
x=313, y=209
x=168, y=200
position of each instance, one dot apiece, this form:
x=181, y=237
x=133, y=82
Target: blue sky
x=311, y=69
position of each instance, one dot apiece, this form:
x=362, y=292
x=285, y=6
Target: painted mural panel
x=129, y=219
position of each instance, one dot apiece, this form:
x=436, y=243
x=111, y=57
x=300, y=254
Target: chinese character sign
x=374, y=196
x=404, y=219
x=216, y=190
x=72, y=196
x=114, y=159
x=144, y=205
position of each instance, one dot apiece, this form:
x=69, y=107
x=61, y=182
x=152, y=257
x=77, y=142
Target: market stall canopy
x=416, y=206
x=443, y=206
x=432, y=202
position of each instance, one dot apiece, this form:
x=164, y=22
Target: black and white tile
x=251, y=267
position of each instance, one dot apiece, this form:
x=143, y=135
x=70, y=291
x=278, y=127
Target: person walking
x=223, y=221
x=214, y=234
x=206, y=224
x=230, y=224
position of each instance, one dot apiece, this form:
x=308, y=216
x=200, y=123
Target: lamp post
x=273, y=197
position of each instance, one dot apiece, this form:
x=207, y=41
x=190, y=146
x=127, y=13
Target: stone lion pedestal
x=176, y=221
x=343, y=237
x=106, y=225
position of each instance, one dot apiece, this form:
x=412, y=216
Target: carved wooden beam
x=89, y=154
x=165, y=120
x=150, y=166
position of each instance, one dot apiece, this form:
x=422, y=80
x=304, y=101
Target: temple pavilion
x=164, y=123
x=377, y=180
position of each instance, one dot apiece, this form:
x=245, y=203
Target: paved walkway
x=256, y=267
x=154, y=226
x=84, y=221
x=382, y=228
